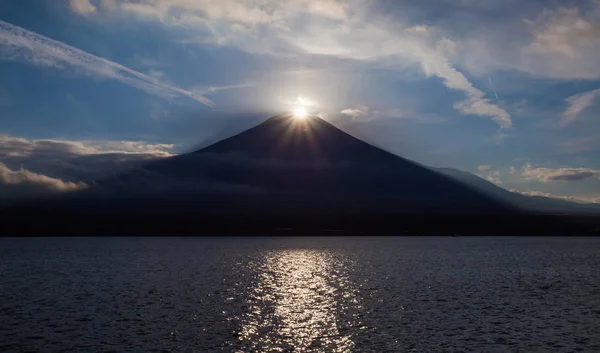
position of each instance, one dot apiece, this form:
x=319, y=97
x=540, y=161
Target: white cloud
x=365, y=113
x=82, y=7
x=494, y=178
x=553, y=42
x=213, y=89
x=281, y=27
x=16, y=146
x=248, y=13
x=359, y=113
x=565, y=43
x=19, y=44
x=437, y=64
x=368, y=42
x=577, y=104
x=558, y=174
x=564, y=32
x=35, y=167
x=23, y=176
x=485, y=171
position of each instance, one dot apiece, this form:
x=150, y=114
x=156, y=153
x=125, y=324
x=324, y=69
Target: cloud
x=494, y=178
x=368, y=42
x=247, y=13
x=475, y=103
x=577, y=104
x=359, y=113
x=22, y=183
x=564, y=32
x=565, y=42
x=543, y=39
x=485, y=171
x=19, y=44
x=21, y=176
x=82, y=7
x=78, y=161
x=363, y=113
x=558, y=174
x=324, y=28
x=578, y=199
x=17, y=146
x=213, y=89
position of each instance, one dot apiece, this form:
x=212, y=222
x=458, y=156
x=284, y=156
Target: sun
x=300, y=113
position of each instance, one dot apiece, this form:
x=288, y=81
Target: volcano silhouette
x=285, y=171
x=296, y=166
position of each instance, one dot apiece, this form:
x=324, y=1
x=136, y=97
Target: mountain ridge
x=300, y=159
x=301, y=172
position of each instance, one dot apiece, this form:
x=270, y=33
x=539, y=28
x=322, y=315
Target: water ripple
x=300, y=294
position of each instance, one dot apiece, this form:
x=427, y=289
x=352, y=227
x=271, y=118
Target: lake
x=321, y=294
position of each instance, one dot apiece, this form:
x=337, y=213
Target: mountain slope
x=286, y=165
x=301, y=174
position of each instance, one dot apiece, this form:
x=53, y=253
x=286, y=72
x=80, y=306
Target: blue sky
x=508, y=90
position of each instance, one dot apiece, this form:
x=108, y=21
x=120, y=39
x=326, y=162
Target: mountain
x=284, y=172
x=304, y=166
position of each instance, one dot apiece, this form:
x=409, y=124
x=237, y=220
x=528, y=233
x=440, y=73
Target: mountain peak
x=289, y=166
x=288, y=138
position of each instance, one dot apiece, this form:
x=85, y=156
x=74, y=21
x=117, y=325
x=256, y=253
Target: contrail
x=493, y=89
x=20, y=44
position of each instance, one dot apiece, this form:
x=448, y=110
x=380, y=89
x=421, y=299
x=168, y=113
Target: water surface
x=340, y=294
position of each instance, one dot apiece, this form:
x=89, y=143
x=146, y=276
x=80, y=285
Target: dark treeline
x=106, y=223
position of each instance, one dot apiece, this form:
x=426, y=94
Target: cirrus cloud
x=329, y=28
x=577, y=104
x=20, y=44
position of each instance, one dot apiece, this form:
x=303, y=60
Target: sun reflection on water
x=302, y=301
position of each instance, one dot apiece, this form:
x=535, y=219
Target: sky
x=507, y=90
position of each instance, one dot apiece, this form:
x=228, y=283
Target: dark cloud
x=33, y=168
x=77, y=160
x=573, y=175
x=558, y=174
